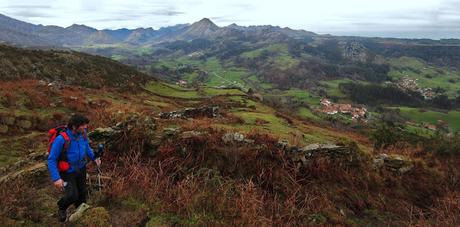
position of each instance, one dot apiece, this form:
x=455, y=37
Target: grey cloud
x=107, y=20
x=227, y=19
x=27, y=7
x=168, y=13
x=29, y=10
x=443, y=18
x=31, y=13
x=151, y=10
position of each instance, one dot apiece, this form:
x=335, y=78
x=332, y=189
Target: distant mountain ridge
x=16, y=32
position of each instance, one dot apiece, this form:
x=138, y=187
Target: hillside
x=298, y=74
x=213, y=156
x=67, y=67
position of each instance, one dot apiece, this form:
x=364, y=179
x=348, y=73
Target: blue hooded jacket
x=77, y=151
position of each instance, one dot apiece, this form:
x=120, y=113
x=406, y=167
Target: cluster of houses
x=182, y=83
x=407, y=83
x=441, y=125
x=356, y=113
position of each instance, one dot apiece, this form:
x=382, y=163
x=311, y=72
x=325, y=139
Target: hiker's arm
x=91, y=155
x=55, y=151
x=90, y=152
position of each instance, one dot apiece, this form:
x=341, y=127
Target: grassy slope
x=66, y=66
x=252, y=111
x=218, y=74
x=278, y=53
x=419, y=116
x=426, y=75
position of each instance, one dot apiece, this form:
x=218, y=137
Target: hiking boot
x=62, y=215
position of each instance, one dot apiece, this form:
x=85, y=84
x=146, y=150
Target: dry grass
x=199, y=179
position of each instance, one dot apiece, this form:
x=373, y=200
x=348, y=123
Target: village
x=408, y=84
x=358, y=113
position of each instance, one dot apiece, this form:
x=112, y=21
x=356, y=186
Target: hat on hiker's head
x=77, y=120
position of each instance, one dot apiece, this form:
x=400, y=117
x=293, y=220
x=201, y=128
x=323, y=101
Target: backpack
x=53, y=133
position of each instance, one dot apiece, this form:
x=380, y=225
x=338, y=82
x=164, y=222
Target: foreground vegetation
x=200, y=180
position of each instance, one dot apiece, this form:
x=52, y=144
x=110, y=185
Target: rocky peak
x=202, y=28
x=355, y=51
x=81, y=28
x=205, y=22
x=235, y=26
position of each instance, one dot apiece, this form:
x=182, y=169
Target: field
x=430, y=116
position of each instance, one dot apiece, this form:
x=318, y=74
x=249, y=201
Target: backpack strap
x=66, y=137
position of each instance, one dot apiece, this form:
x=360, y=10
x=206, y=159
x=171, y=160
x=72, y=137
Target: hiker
x=67, y=164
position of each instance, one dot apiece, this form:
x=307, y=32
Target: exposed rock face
x=235, y=138
x=99, y=134
x=112, y=136
x=210, y=112
x=302, y=155
x=190, y=134
x=330, y=150
x=355, y=51
x=393, y=163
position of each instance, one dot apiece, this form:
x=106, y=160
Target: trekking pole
x=99, y=172
x=98, y=178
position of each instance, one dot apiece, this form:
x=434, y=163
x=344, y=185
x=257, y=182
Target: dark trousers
x=75, y=190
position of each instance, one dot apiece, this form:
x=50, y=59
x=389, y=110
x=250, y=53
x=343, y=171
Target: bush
x=96, y=217
x=443, y=144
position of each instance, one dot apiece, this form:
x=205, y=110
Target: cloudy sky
x=388, y=18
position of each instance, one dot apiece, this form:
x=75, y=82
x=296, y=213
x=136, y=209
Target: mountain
x=200, y=29
x=118, y=34
x=17, y=25
x=17, y=32
x=140, y=35
x=25, y=34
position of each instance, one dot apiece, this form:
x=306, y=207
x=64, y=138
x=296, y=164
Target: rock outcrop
x=303, y=155
x=32, y=164
x=355, y=51
x=11, y=123
x=393, y=163
x=209, y=112
x=235, y=138
x=115, y=136
x=78, y=212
